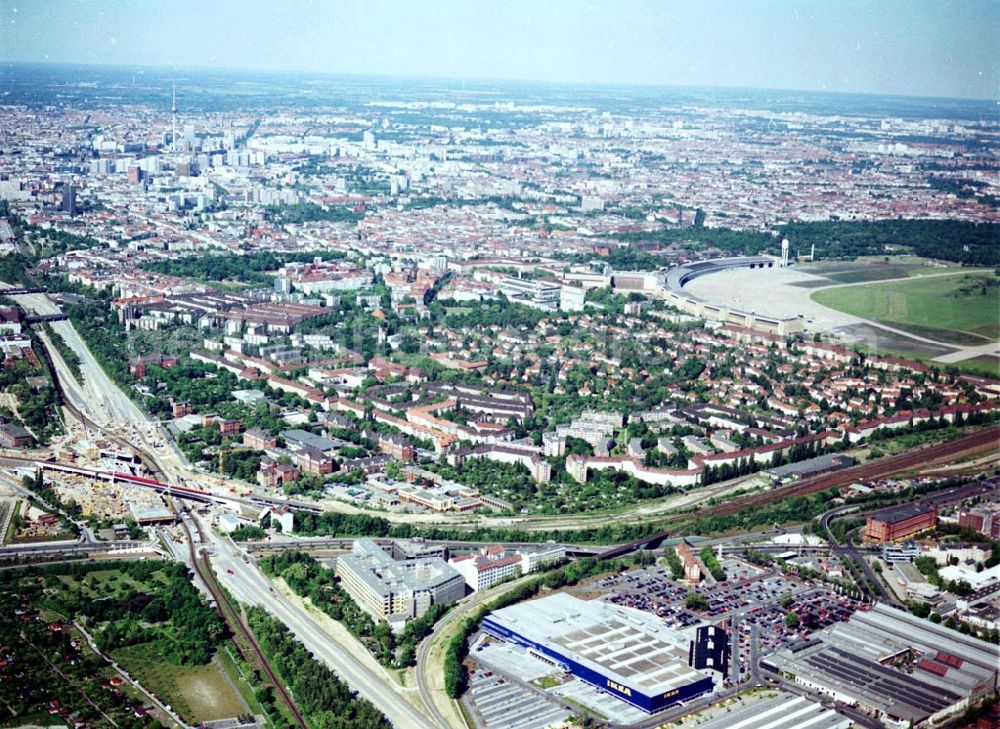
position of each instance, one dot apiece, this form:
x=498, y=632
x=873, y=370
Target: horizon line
x=496, y=79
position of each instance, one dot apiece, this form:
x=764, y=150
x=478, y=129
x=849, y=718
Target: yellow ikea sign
x=618, y=687
x=671, y=693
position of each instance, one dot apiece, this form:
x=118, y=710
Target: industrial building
x=784, y=711
x=626, y=652
x=904, y=670
x=900, y=522
x=811, y=466
x=396, y=591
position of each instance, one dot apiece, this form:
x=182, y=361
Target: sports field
x=961, y=309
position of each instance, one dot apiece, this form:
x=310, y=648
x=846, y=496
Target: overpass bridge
x=653, y=541
x=37, y=318
x=23, y=290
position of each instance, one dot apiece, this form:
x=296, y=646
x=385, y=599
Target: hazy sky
x=915, y=47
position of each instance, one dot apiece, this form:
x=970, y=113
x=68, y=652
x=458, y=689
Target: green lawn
x=197, y=693
x=937, y=308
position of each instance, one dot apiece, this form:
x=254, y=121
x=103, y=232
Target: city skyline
x=945, y=50
x=399, y=365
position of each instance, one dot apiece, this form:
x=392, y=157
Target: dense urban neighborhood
x=436, y=406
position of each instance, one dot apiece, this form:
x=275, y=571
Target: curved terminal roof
x=678, y=277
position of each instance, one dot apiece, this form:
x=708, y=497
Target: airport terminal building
x=626, y=652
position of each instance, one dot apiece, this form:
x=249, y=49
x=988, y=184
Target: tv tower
x=173, y=121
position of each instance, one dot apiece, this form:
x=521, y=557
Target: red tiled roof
x=931, y=667
x=948, y=659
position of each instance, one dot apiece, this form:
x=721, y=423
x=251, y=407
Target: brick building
x=985, y=520
x=901, y=522
x=229, y=427
x=259, y=439
x=137, y=367
x=14, y=436
x=273, y=474
x=690, y=562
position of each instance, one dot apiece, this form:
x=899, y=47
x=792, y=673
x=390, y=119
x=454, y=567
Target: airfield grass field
x=870, y=268
x=963, y=308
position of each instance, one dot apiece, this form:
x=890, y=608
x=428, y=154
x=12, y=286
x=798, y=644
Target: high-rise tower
x=173, y=121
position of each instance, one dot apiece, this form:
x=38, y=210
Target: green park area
x=145, y=614
x=962, y=309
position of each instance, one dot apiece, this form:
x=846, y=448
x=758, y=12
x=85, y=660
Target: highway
x=248, y=585
x=97, y=399
x=430, y=674
x=108, y=406
x=100, y=401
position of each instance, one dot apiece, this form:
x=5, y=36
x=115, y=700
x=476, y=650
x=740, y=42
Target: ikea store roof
x=624, y=644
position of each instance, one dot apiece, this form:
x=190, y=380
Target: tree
x=792, y=620
x=696, y=601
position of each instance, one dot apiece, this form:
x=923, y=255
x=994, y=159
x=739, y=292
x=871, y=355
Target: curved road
x=434, y=698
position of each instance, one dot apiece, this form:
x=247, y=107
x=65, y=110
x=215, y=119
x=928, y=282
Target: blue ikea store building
x=626, y=652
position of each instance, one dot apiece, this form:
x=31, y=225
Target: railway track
x=882, y=468
x=231, y=616
x=199, y=561
x=144, y=458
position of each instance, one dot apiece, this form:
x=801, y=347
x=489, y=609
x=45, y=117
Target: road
x=248, y=585
x=107, y=406
x=97, y=397
x=101, y=398
x=942, y=497
x=430, y=654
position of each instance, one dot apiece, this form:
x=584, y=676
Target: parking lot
x=815, y=608
x=651, y=590
x=752, y=597
x=501, y=704
x=737, y=595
